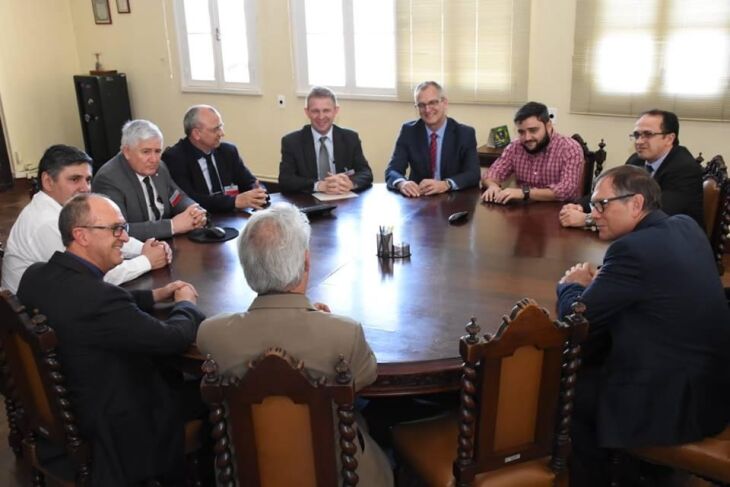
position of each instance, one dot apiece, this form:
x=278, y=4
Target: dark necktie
x=151, y=197
x=215, y=180
x=649, y=169
x=323, y=160
x=432, y=154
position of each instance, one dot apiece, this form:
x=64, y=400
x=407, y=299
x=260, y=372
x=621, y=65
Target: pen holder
x=388, y=250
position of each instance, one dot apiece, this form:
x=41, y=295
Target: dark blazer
x=107, y=344
x=459, y=160
x=666, y=377
x=298, y=167
x=182, y=161
x=680, y=177
x=118, y=181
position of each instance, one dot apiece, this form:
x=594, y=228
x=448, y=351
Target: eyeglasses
x=646, y=135
x=429, y=104
x=117, y=229
x=600, y=205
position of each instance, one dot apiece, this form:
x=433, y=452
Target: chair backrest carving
x=593, y=164
x=281, y=424
x=36, y=386
x=716, y=191
x=517, y=390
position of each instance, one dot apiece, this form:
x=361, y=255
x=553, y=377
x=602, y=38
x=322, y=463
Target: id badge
x=231, y=190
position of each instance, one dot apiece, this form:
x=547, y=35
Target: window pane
x=628, y=13
x=200, y=40
x=700, y=13
x=696, y=62
x=374, y=25
x=234, y=44
x=325, y=42
x=624, y=63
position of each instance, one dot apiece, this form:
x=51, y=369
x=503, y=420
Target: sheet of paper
x=333, y=197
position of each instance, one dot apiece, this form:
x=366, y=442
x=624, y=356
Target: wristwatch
x=526, y=193
x=590, y=224
x=449, y=184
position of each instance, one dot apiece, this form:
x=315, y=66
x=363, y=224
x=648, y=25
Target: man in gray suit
x=139, y=183
x=274, y=254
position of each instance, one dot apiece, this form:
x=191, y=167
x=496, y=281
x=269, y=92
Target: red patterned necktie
x=432, y=153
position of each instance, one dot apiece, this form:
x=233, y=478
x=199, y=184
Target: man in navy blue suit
x=441, y=152
x=656, y=367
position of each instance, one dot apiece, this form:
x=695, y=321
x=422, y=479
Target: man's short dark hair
x=532, y=109
x=58, y=156
x=628, y=179
x=670, y=122
x=73, y=214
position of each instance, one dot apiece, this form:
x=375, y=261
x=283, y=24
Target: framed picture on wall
x=102, y=14
x=123, y=7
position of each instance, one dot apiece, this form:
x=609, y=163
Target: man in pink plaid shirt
x=547, y=166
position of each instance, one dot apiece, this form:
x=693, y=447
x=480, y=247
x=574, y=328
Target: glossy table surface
x=413, y=310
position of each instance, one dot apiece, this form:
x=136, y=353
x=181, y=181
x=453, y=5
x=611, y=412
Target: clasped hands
x=582, y=274
x=426, y=187
x=339, y=183
x=193, y=217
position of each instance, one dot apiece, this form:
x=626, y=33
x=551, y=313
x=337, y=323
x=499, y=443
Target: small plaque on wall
x=123, y=7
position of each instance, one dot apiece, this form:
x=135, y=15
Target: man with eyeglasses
x=130, y=410
x=656, y=368
x=209, y=170
x=547, y=166
x=441, y=152
x=63, y=172
x=321, y=156
x=656, y=141
x=139, y=183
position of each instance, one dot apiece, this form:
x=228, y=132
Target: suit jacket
x=459, y=160
x=666, y=378
x=182, y=161
x=118, y=181
x=107, y=344
x=680, y=178
x=298, y=167
x=291, y=322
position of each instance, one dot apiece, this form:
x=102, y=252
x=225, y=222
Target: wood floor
x=14, y=473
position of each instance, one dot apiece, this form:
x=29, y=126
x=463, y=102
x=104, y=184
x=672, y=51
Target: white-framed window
x=633, y=55
x=478, y=49
x=216, y=40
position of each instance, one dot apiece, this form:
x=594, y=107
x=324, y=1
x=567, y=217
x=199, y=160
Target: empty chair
x=516, y=399
x=280, y=423
x=593, y=164
x=716, y=194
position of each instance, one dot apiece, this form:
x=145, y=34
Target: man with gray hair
x=274, y=254
x=322, y=156
x=441, y=152
x=209, y=170
x=139, y=183
x=656, y=369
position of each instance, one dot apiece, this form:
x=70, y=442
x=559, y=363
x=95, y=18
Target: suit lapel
x=338, y=144
x=448, y=147
x=665, y=164
x=135, y=185
x=422, y=144
x=310, y=158
x=192, y=160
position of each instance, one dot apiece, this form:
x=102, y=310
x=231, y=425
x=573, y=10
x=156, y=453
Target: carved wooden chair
x=40, y=410
x=716, y=189
x=593, y=164
x=513, y=424
x=275, y=425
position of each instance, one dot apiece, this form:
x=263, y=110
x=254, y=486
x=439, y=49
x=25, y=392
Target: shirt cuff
x=454, y=186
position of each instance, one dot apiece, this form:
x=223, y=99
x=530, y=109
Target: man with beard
x=656, y=141
x=547, y=166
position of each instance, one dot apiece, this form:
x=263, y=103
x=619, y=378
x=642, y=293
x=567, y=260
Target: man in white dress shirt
x=63, y=172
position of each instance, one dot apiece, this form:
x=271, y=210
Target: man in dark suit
x=322, y=156
x=140, y=184
x=108, y=346
x=441, y=152
x=656, y=367
x=656, y=140
x=209, y=170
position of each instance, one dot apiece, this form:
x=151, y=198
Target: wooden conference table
x=414, y=310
